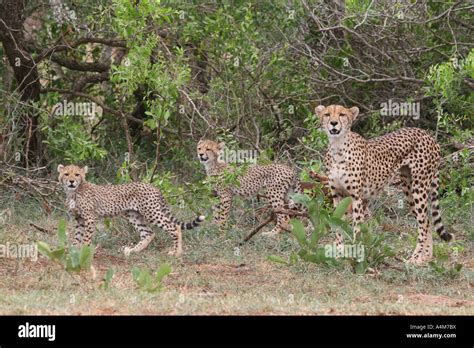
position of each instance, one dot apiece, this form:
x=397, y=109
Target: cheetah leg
x=336, y=199
x=222, y=210
x=79, y=230
x=90, y=221
x=358, y=212
x=366, y=211
x=177, y=235
x=146, y=234
x=435, y=212
x=424, y=247
x=277, y=200
x=167, y=223
x=405, y=176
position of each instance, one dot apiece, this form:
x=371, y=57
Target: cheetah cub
x=277, y=179
x=140, y=203
x=360, y=168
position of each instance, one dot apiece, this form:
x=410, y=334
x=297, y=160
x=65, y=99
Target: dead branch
x=258, y=228
x=41, y=229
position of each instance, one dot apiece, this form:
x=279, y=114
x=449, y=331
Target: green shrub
x=148, y=282
x=72, y=259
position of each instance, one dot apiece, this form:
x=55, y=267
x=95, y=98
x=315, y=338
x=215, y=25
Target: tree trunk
x=12, y=17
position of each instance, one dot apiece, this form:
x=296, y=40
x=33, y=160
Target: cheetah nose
x=333, y=123
x=71, y=181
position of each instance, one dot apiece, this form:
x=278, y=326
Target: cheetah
x=360, y=168
x=140, y=203
x=279, y=181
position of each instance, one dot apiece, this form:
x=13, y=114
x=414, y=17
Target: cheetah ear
x=85, y=169
x=355, y=111
x=60, y=168
x=220, y=146
x=319, y=109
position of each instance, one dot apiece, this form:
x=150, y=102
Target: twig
x=258, y=228
x=394, y=267
x=41, y=229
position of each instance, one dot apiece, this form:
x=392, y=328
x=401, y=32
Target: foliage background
x=249, y=73
x=168, y=73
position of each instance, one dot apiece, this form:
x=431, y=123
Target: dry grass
x=216, y=277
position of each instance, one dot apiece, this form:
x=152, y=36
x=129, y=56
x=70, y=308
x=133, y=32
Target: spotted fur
x=360, y=168
x=278, y=180
x=140, y=203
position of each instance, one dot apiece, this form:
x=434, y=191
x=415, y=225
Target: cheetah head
x=208, y=151
x=336, y=120
x=71, y=176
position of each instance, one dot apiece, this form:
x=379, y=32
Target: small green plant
x=107, y=279
x=146, y=281
x=363, y=253
x=322, y=222
x=376, y=251
x=452, y=271
x=72, y=259
x=440, y=263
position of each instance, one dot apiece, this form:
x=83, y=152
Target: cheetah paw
x=175, y=253
x=271, y=234
x=127, y=251
x=418, y=260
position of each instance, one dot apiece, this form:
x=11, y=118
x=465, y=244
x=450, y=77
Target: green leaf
x=313, y=211
x=342, y=208
x=85, y=256
x=144, y=279
x=361, y=267
x=108, y=278
x=300, y=198
x=277, y=259
x=72, y=262
x=163, y=271
x=135, y=273
x=299, y=232
x=44, y=249
x=58, y=254
x=62, y=232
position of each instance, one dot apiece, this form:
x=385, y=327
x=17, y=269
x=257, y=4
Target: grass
x=216, y=276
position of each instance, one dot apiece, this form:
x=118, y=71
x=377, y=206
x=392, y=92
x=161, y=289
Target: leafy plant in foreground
x=362, y=253
x=71, y=258
x=150, y=282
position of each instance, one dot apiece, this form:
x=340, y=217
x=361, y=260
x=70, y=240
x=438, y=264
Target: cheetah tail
x=192, y=224
x=435, y=213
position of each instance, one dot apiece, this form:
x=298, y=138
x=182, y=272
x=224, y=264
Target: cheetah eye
x=77, y=174
x=342, y=115
x=66, y=174
x=326, y=115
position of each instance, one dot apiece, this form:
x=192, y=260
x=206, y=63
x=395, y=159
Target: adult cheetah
x=360, y=168
x=140, y=203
